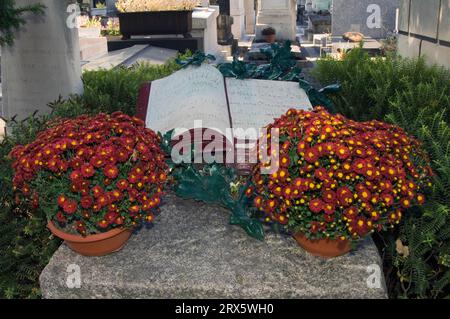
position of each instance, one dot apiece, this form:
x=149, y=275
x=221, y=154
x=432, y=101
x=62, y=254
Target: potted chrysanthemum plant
x=96, y=179
x=155, y=17
x=338, y=180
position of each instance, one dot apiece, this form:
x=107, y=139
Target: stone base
x=281, y=15
x=91, y=48
x=192, y=252
x=285, y=28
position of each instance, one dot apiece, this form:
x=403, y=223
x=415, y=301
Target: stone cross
x=44, y=61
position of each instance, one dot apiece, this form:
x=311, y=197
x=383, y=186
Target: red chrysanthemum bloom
x=311, y=155
x=60, y=217
x=70, y=206
x=111, y=171
x=388, y=199
x=351, y=212
x=321, y=174
x=285, y=161
x=98, y=161
x=87, y=170
x=61, y=200
x=97, y=191
x=75, y=175
x=420, y=199
x=103, y=200
x=314, y=227
x=86, y=202
x=122, y=184
x=316, y=205
x=343, y=152
x=329, y=208
x=329, y=196
x=103, y=223
x=405, y=202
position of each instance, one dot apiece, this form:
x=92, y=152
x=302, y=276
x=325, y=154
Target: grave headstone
x=224, y=22
x=204, y=28
x=320, y=5
x=373, y=18
x=278, y=14
x=43, y=63
x=250, y=16
x=237, y=11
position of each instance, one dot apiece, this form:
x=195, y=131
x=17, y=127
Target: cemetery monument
x=43, y=63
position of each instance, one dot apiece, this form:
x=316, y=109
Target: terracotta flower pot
x=94, y=245
x=324, y=247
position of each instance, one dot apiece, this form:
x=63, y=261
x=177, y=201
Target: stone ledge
x=192, y=252
x=202, y=17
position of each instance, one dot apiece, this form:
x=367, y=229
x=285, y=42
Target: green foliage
x=416, y=97
x=212, y=184
x=196, y=59
x=424, y=272
x=11, y=18
x=320, y=97
x=25, y=245
x=117, y=89
x=371, y=85
x=238, y=69
x=281, y=65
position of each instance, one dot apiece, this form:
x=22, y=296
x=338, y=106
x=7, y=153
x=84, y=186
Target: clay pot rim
x=328, y=240
x=80, y=239
x=324, y=247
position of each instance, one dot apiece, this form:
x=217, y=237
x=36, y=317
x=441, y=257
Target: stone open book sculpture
x=202, y=98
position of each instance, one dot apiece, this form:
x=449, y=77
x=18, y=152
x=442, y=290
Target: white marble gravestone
x=250, y=16
x=204, y=28
x=43, y=63
x=237, y=11
x=279, y=14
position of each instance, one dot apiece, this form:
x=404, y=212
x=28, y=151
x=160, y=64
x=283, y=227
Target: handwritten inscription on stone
x=255, y=103
x=186, y=96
